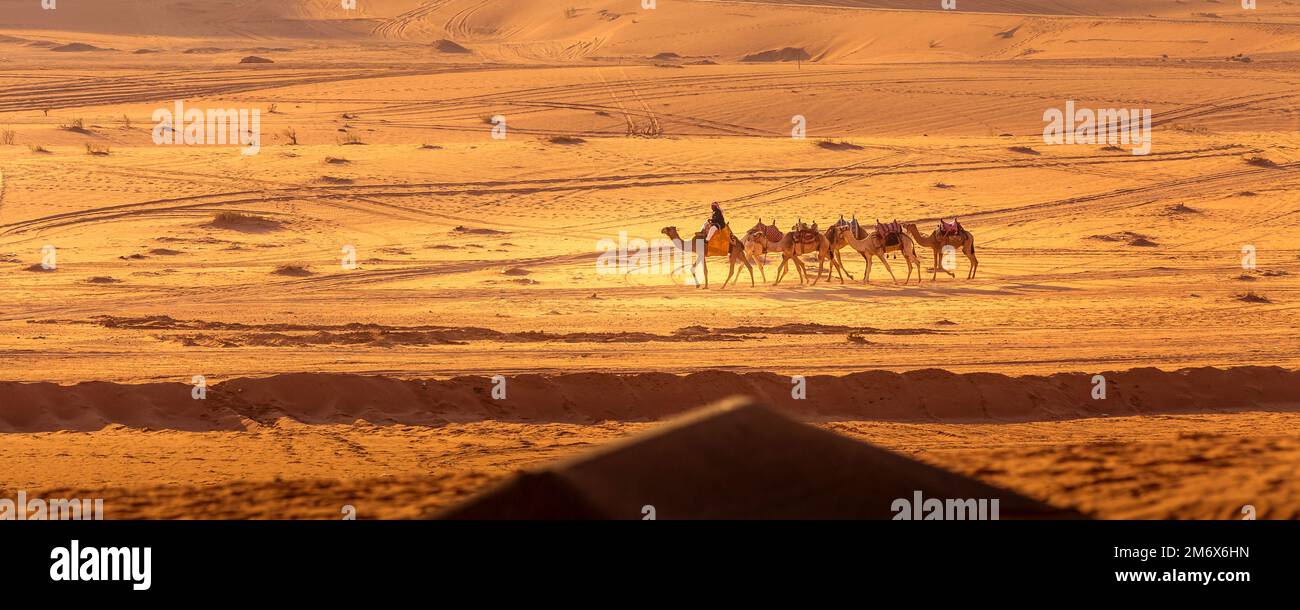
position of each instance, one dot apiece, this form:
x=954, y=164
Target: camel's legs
x=757, y=260
x=887, y=267
x=837, y=263
x=835, y=266
x=694, y=279
x=780, y=271
x=935, y=271
x=912, y=259
x=744, y=258
x=730, y=271
x=906, y=259
x=821, y=262
x=969, y=247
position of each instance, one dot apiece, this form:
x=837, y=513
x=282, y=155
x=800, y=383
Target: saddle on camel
x=771, y=232
x=889, y=233
x=719, y=244
x=950, y=229
x=804, y=234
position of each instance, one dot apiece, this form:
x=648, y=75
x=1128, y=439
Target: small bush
x=840, y=145
x=235, y=218
x=565, y=140
x=75, y=125
x=1252, y=297
x=293, y=270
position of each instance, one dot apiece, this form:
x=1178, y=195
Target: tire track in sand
x=396, y=27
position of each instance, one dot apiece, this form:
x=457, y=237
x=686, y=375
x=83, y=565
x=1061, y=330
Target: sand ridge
x=927, y=395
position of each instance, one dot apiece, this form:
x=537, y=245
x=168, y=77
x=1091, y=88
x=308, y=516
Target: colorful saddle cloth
x=890, y=233
x=720, y=243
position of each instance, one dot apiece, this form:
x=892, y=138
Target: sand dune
x=931, y=395
x=601, y=29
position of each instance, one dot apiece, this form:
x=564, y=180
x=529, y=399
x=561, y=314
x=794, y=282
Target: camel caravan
x=716, y=239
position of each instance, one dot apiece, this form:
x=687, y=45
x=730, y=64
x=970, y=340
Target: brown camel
x=801, y=240
x=937, y=241
x=759, y=240
x=763, y=238
x=835, y=236
x=735, y=252
x=872, y=244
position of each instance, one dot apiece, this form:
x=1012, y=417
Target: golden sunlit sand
x=477, y=256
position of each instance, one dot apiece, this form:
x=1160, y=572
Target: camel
x=936, y=241
x=873, y=245
x=735, y=252
x=837, y=242
x=801, y=240
x=763, y=238
x=759, y=240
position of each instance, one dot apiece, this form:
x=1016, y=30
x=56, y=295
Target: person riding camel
x=713, y=224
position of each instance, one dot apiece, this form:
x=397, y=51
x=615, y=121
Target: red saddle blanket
x=950, y=228
x=889, y=232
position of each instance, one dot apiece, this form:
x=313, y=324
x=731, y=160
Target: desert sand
x=331, y=384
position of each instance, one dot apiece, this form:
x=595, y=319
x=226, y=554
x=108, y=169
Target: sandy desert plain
x=477, y=256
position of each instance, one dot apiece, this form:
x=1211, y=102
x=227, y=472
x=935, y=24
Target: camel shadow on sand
x=854, y=292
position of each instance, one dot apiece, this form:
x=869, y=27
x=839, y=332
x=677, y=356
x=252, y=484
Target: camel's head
x=669, y=231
